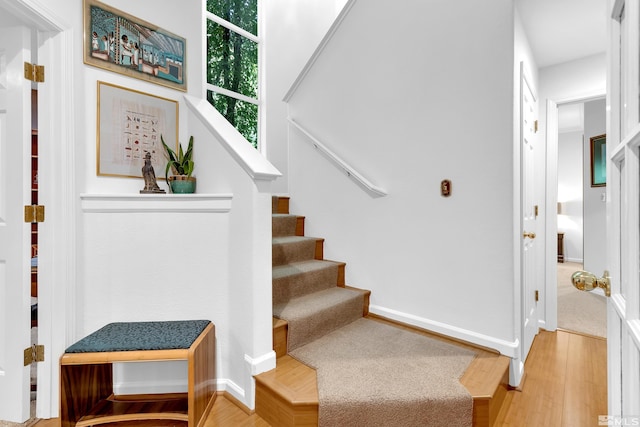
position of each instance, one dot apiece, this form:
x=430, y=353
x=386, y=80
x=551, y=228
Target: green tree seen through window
x=232, y=64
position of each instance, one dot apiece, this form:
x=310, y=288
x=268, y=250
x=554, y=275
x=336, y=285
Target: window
x=232, y=63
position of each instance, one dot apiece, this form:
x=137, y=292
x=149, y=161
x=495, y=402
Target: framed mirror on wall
x=598, y=160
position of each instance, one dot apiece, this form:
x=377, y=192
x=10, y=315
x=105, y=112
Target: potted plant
x=181, y=164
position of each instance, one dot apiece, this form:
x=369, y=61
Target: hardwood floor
x=565, y=385
x=224, y=413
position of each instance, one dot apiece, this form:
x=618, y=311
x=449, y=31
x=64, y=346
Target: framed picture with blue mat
x=122, y=43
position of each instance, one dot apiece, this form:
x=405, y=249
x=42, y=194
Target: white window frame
x=209, y=16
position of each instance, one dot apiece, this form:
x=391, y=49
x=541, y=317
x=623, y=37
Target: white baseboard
x=516, y=372
x=232, y=388
x=507, y=348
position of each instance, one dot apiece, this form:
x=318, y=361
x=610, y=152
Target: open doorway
x=580, y=217
x=34, y=244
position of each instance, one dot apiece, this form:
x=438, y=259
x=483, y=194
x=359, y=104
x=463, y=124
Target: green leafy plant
x=180, y=163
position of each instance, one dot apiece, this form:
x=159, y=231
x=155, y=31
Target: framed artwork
x=599, y=161
x=129, y=125
x=116, y=41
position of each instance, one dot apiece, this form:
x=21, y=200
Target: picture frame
x=124, y=44
x=131, y=123
x=598, y=160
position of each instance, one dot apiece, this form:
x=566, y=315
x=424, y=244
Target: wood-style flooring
x=565, y=385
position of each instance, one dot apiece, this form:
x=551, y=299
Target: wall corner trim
x=261, y=364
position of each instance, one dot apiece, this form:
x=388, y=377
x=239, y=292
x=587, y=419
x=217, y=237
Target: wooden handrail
x=363, y=182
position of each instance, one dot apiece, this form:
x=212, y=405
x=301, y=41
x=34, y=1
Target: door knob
x=529, y=235
x=586, y=281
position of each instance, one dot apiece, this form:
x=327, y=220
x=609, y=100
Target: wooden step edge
x=280, y=333
x=485, y=375
x=319, y=254
x=487, y=380
x=300, y=225
x=366, y=294
x=341, y=272
x=288, y=395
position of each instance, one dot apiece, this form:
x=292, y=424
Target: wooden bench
x=86, y=373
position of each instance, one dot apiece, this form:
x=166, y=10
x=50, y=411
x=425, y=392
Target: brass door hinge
x=535, y=210
x=537, y=296
x=34, y=213
x=535, y=126
x=33, y=72
x=35, y=353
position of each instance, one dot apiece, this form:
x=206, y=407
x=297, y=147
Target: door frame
x=56, y=236
x=550, y=320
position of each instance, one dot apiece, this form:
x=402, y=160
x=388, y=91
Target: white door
x=15, y=243
x=623, y=217
x=529, y=114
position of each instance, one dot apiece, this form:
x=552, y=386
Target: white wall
x=408, y=110
x=575, y=80
x=570, y=193
x=595, y=224
x=125, y=267
x=293, y=30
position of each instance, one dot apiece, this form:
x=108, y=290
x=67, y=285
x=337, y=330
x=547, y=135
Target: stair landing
x=288, y=395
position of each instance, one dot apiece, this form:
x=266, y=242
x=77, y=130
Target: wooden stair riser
x=285, y=253
x=280, y=204
x=287, y=225
x=280, y=331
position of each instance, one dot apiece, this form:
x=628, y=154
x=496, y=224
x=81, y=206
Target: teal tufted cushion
x=128, y=336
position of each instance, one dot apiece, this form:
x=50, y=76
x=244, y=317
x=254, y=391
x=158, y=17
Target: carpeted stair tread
x=302, y=278
x=370, y=373
x=314, y=315
x=288, y=249
x=283, y=225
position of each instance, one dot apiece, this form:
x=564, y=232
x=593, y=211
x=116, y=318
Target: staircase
x=287, y=395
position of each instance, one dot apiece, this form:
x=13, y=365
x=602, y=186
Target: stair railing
x=363, y=182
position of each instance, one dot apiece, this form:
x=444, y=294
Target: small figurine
x=149, y=175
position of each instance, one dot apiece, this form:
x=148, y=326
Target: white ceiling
x=563, y=30
x=558, y=30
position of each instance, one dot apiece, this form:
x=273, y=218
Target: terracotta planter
x=182, y=184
